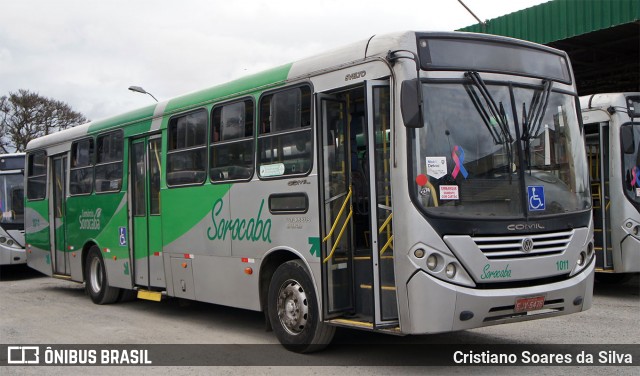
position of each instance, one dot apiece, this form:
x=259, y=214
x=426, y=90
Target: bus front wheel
x=293, y=310
x=96, y=283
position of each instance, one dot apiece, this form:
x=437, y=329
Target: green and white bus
x=12, y=209
x=410, y=183
x=612, y=128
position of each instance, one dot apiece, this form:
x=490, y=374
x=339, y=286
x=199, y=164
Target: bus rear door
x=60, y=257
x=145, y=209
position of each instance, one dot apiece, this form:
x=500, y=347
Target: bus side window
x=36, y=176
x=81, y=171
x=232, y=142
x=108, y=169
x=187, y=150
x=285, y=137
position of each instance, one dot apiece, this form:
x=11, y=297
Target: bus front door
x=336, y=254
x=357, y=243
x=145, y=211
x=378, y=107
x=61, y=262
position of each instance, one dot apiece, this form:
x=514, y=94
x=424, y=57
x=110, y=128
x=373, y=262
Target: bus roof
x=374, y=47
x=604, y=100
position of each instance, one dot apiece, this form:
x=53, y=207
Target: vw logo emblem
x=527, y=245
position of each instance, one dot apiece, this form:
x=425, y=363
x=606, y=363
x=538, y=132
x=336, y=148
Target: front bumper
x=436, y=306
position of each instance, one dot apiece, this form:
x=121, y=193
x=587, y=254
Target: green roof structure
x=602, y=38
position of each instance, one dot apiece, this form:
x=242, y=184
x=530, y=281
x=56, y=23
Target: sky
x=86, y=53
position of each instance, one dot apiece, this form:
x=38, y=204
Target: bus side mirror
x=628, y=143
x=410, y=104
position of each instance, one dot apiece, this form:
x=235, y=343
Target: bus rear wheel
x=293, y=310
x=96, y=282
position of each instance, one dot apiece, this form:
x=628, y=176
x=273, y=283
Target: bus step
x=391, y=328
x=155, y=296
x=62, y=276
x=351, y=323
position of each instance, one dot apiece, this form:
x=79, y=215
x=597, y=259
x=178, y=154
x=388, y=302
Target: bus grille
x=507, y=247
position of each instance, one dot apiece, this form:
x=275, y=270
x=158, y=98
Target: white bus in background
x=612, y=129
x=12, y=209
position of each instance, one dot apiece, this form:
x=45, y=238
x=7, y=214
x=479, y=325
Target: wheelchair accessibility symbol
x=535, y=194
x=123, y=236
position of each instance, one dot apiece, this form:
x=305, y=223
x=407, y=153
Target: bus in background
x=12, y=209
x=410, y=183
x=612, y=131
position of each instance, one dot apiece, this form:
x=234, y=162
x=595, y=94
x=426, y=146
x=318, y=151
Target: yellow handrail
x=335, y=224
x=335, y=244
x=386, y=222
x=387, y=245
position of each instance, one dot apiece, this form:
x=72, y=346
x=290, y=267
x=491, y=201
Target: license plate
x=529, y=304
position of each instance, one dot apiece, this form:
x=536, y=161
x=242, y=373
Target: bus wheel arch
x=96, y=279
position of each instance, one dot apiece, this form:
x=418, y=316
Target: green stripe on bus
x=119, y=120
x=183, y=208
x=246, y=84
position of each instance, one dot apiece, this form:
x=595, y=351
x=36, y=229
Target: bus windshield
x=494, y=150
x=631, y=163
x=12, y=198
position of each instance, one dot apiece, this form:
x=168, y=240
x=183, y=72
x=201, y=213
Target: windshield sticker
x=436, y=167
x=635, y=177
x=458, y=157
x=535, y=194
x=276, y=169
x=422, y=180
x=449, y=192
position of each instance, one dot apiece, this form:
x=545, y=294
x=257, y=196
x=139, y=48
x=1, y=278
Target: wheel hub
x=95, y=278
x=293, y=308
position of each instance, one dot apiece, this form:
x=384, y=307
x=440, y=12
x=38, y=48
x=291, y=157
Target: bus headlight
x=439, y=264
x=632, y=228
x=582, y=258
x=451, y=270
x=432, y=261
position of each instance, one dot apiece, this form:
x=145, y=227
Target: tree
x=26, y=115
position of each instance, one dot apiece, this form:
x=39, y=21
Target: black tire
x=96, y=281
x=293, y=310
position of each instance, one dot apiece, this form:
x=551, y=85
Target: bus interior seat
x=239, y=172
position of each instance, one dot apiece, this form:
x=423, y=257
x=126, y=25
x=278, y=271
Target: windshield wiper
x=490, y=113
x=491, y=110
x=532, y=122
